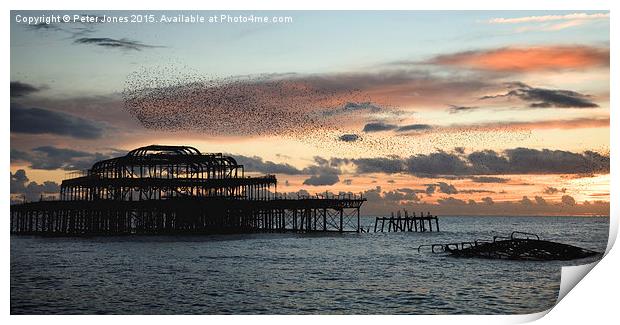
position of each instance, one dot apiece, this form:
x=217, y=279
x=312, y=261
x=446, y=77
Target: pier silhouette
x=177, y=189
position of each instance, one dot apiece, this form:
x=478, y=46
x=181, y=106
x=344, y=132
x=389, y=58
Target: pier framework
x=176, y=189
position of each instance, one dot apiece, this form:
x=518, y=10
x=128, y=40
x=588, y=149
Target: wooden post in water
x=358, y=219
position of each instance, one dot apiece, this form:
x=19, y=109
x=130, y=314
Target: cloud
x=21, y=89
x=545, y=98
x=443, y=188
x=256, y=164
x=51, y=158
x=105, y=109
x=450, y=201
x=411, y=190
x=551, y=22
x=546, y=18
x=540, y=200
x=349, y=137
x=459, y=109
x=75, y=28
x=402, y=194
x=488, y=179
x=361, y=106
x=526, y=201
x=576, y=123
x=348, y=108
x=321, y=161
x=31, y=190
x=436, y=163
x=322, y=179
x=43, y=121
x=460, y=150
x=381, y=203
x=106, y=42
x=528, y=59
x=470, y=191
x=568, y=200
x=450, y=189
x=18, y=180
x=524, y=207
x=80, y=31
x=488, y=200
x=447, y=188
x=554, y=190
x=488, y=162
x=379, y=165
x=44, y=27
x=524, y=160
x=414, y=127
x=321, y=174
x=563, y=124
x=378, y=126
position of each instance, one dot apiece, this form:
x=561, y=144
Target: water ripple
x=290, y=273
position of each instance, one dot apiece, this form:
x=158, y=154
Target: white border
x=594, y=299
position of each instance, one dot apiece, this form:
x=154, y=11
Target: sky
x=454, y=112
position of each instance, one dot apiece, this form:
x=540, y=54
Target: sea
x=291, y=273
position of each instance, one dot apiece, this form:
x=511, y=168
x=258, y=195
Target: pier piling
x=407, y=223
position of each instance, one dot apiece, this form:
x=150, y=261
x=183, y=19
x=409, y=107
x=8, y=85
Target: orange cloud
x=531, y=125
x=527, y=59
x=546, y=18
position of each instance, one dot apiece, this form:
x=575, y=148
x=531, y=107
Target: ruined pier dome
x=158, y=161
x=158, y=172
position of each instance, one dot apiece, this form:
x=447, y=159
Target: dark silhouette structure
x=521, y=246
x=408, y=222
x=177, y=189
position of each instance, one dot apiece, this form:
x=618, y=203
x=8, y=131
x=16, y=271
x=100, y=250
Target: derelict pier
x=177, y=189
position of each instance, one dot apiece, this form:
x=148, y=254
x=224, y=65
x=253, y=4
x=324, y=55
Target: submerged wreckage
x=519, y=246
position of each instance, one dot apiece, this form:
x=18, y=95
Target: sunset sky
x=479, y=113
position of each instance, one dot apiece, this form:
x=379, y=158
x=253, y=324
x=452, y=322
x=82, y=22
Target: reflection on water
x=374, y=273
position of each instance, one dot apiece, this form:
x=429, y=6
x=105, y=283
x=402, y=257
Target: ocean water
x=368, y=273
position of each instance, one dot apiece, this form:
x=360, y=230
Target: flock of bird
x=301, y=107
x=243, y=105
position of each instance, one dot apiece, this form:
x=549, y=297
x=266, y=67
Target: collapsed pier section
x=407, y=222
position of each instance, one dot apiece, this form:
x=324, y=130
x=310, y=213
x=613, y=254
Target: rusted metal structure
x=165, y=172
x=519, y=246
x=177, y=189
